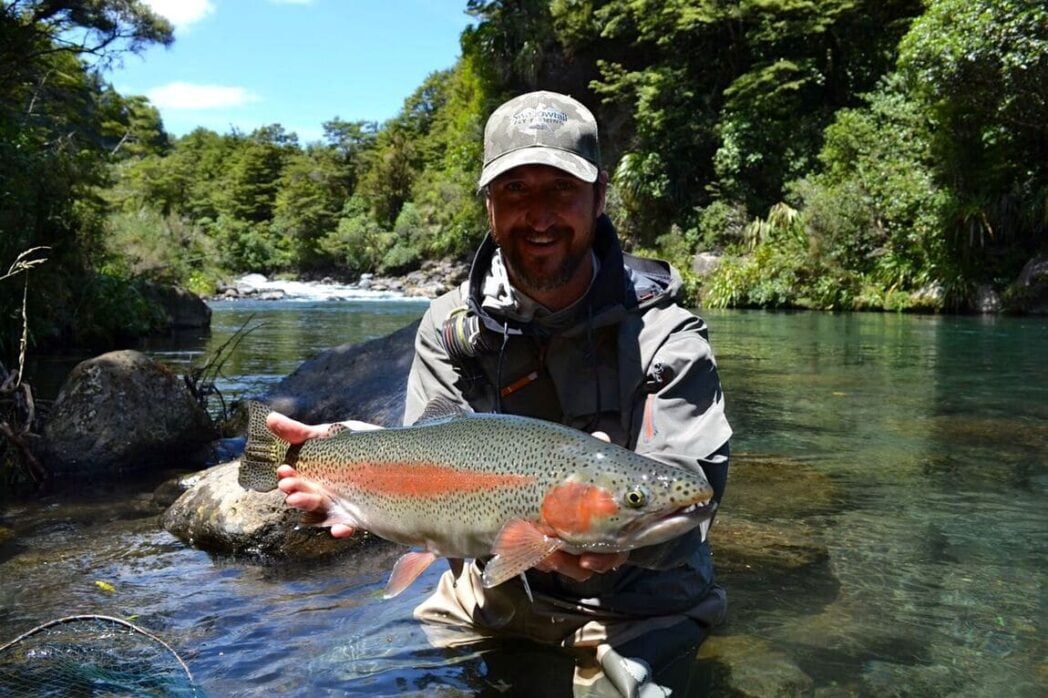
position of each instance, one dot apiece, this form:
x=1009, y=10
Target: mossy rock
x=755, y=668
x=741, y=545
x=769, y=487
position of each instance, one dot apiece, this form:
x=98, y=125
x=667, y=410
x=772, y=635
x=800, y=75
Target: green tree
x=132, y=126
x=254, y=171
x=452, y=218
x=980, y=71
x=310, y=195
x=515, y=39
x=55, y=142
x=351, y=141
x=359, y=243
x=728, y=100
x=391, y=170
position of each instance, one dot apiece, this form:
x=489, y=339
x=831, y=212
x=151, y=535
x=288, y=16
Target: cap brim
x=539, y=155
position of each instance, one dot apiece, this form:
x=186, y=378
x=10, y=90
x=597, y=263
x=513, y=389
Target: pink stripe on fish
x=430, y=480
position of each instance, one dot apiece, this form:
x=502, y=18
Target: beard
x=530, y=278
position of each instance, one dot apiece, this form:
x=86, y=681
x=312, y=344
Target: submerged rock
x=771, y=550
x=122, y=412
x=774, y=486
x=755, y=667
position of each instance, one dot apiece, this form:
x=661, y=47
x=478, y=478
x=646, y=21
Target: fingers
x=581, y=567
x=293, y=431
x=306, y=501
x=565, y=564
x=341, y=531
x=303, y=494
x=602, y=563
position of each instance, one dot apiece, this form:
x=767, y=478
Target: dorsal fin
x=439, y=408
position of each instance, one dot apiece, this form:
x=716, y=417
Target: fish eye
x=635, y=497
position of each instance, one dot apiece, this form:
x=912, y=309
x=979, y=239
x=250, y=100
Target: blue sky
x=299, y=63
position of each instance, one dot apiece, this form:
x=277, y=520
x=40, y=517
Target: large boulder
x=1029, y=293
x=705, y=263
x=218, y=515
x=122, y=412
x=184, y=309
x=366, y=381
x=986, y=300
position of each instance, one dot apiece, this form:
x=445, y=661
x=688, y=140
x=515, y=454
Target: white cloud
x=181, y=13
x=184, y=95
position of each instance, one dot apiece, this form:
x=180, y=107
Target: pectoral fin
x=519, y=546
x=407, y=570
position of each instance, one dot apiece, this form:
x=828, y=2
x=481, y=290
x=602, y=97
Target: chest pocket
x=586, y=378
x=524, y=385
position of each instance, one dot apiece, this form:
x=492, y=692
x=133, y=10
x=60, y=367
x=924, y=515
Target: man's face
x=544, y=219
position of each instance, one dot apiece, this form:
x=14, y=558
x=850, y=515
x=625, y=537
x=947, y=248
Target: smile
x=541, y=240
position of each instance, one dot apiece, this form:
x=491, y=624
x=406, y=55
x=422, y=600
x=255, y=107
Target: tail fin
x=263, y=453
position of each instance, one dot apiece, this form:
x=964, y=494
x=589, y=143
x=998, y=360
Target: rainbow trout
x=469, y=485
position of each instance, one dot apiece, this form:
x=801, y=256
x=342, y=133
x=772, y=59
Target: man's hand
x=301, y=492
x=581, y=567
x=295, y=432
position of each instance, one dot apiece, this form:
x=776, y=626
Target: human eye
x=565, y=188
x=513, y=187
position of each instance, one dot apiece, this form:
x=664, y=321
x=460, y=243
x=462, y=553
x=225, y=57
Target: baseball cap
x=541, y=128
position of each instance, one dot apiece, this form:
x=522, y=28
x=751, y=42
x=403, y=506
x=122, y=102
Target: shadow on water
x=882, y=531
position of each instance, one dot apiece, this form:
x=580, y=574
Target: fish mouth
x=659, y=528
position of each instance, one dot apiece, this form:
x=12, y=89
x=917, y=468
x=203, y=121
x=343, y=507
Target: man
x=555, y=322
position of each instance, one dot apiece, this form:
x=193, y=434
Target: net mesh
x=92, y=656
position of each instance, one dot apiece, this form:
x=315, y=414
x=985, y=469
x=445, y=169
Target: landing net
x=92, y=655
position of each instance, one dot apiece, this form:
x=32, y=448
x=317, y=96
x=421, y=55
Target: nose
x=539, y=214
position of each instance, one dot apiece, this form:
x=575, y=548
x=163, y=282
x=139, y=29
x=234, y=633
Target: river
x=905, y=455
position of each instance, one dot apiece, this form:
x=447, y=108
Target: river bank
x=431, y=280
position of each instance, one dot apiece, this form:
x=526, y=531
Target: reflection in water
x=882, y=532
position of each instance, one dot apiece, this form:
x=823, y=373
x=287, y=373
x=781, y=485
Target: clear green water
x=884, y=530
x=931, y=434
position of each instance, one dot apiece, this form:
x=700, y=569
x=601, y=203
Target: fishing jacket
x=627, y=360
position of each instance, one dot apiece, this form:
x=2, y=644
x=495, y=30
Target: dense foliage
x=836, y=153
x=60, y=127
